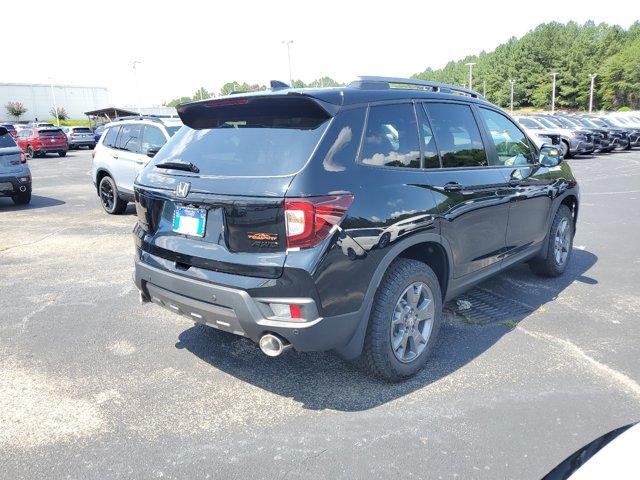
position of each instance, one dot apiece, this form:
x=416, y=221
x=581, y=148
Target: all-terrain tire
x=378, y=356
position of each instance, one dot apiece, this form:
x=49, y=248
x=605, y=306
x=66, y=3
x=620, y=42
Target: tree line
x=573, y=51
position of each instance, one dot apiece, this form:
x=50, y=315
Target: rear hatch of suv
x=10, y=156
x=52, y=138
x=213, y=197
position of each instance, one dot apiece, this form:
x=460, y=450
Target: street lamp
x=484, y=88
x=593, y=78
x=288, y=44
x=470, y=65
x=135, y=78
x=55, y=105
x=553, y=93
x=512, y=82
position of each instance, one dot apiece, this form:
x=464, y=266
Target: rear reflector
x=286, y=310
x=309, y=220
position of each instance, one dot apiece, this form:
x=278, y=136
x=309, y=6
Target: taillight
x=310, y=220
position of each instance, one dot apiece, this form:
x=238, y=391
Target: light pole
x=135, y=78
x=553, y=93
x=470, y=65
x=55, y=105
x=484, y=88
x=512, y=82
x=593, y=78
x=288, y=44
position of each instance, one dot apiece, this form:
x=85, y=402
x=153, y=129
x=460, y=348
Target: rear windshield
x=81, y=130
x=6, y=140
x=235, y=149
x=50, y=133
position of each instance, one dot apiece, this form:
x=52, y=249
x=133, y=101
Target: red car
x=40, y=141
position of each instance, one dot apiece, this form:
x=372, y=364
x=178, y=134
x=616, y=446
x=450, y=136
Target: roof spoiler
x=278, y=111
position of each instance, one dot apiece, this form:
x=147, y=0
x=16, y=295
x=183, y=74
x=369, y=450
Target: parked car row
x=587, y=133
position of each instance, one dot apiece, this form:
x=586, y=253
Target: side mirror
x=550, y=156
x=151, y=151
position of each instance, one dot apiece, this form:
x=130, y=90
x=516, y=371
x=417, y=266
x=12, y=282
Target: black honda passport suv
x=342, y=218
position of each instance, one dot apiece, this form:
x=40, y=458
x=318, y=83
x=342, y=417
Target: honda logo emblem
x=182, y=190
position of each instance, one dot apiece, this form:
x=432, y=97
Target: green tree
x=15, y=109
x=62, y=113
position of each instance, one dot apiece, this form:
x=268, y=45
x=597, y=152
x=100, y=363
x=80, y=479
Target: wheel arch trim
x=353, y=348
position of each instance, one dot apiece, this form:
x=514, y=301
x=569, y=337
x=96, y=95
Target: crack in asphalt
x=27, y=244
x=628, y=384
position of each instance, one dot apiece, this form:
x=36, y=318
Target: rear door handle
x=452, y=187
x=114, y=156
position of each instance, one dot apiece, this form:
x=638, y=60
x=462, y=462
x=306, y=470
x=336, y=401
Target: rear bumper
x=236, y=311
x=16, y=186
x=82, y=143
x=51, y=149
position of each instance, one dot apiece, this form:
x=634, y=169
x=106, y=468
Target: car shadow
x=323, y=381
x=37, y=201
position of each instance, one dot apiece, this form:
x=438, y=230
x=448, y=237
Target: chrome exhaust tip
x=272, y=345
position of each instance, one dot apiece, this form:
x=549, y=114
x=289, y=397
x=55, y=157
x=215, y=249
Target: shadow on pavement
x=323, y=381
x=37, y=201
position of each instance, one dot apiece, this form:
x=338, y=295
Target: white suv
x=123, y=150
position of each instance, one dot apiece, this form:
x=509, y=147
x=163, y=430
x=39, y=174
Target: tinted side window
x=130, y=138
x=429, y=152
x=457, y=135
x=152, y=138
x=391, y=137
x=111, y=136
x=511, y=144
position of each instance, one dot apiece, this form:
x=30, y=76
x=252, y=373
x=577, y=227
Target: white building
x=38, y=99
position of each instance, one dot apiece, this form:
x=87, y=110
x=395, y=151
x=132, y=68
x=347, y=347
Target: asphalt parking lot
x=94, y=385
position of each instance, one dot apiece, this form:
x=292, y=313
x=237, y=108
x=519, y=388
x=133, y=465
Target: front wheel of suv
x=559, y=246
x=404, y=321
x=22, y=198
x=109, y=198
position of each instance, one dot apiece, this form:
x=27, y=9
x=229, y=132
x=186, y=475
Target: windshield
x=564, y=122
x=235, y=150
x=529, y=123
x=572, y=121
x=546, y=122
x=599, y=122
x=49, y=133
x=587, y=123
x=81, y=130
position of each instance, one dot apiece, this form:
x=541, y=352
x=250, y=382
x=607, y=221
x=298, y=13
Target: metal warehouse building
x=38, y=99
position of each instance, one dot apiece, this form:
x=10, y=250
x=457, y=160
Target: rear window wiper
x=187, y=167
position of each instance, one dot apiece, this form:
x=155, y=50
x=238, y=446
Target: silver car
x=79, y=137
x=15, y=176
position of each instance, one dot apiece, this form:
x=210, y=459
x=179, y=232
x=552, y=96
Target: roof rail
x=377, y=83
x=153, y=118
